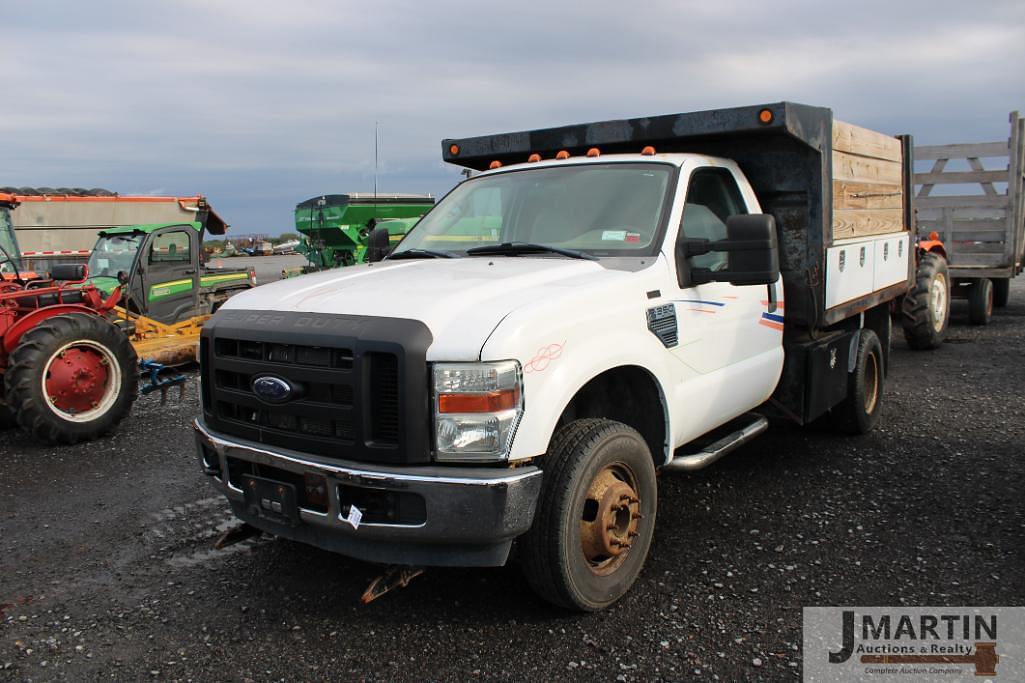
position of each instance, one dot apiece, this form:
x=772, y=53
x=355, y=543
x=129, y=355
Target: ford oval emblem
x=271, y=389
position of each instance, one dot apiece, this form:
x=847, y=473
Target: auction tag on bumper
x=354, y=516
x=914, y=643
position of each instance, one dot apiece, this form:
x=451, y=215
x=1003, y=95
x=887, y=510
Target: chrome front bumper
x=471, y=517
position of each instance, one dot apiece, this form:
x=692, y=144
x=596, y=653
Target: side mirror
x=122, y=277
x=378, y=245
x=751, y=248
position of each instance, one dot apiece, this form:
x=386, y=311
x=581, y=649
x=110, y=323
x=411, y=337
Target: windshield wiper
x=515, y=248
x=419, y=253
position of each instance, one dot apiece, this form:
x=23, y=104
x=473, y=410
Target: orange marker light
x=934, y=235
x=562, y=154
x=648, y=151
x=491, y=402
x=453, y=150
x=594, y=152
x=495, y=164
x=535, y=157
x=765, y=116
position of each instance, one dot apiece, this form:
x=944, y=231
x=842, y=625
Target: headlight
x=477, y=407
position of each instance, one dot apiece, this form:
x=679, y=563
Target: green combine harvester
x=335, y=227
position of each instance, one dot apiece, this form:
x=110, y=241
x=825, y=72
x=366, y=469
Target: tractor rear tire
x=1001, y=291
x=858, y=413
x=72, y=378
x=595, y=517
x=926, y=308
x=980, y=302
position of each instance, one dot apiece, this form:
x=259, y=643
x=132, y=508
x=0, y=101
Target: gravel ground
x=107, y=568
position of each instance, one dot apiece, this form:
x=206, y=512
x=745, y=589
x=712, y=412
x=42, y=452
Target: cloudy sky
x=259, y=105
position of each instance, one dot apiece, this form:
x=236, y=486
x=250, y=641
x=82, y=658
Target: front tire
x=980, y=302
x=926, y=308
x=858, y=413
x=595, y=517
x=72, y=378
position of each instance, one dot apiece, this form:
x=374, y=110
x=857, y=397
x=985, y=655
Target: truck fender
x=568, y=390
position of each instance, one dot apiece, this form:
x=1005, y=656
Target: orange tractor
x=67, y=372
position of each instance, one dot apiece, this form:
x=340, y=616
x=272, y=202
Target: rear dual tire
x=1001, y=291
x=859, y=411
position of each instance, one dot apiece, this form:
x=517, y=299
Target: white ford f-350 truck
x=603, y=300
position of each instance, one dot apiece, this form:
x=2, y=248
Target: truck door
x=170, y=272
x=730, y=336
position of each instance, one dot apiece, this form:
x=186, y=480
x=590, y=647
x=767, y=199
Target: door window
x=712, y=197
x=170, y=247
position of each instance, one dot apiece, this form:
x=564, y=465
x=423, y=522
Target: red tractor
x=67, y=373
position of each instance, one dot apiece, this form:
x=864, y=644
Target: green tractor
x=335, y=227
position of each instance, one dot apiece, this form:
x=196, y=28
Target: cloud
x=260, y=105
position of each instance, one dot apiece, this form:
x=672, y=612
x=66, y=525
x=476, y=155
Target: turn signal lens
x=477, y=409
x=593, y=152
x=648, y=151
x=533, y=158
x=765, y=116
x=495, y=164
x=562, y=154
x=491, y=402
x=453, y=150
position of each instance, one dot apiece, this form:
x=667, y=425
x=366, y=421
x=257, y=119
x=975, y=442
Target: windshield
x=9, y=255
x=114, y=253
x=613, y=209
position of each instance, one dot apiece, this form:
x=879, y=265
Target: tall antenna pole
x=375, y=161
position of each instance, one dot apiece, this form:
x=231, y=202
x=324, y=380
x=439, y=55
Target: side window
x=712, y=197
x=170, y=247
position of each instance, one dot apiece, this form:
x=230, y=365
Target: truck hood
x=460, y=300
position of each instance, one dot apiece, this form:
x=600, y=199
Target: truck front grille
x=384, y=398
x=348, y=400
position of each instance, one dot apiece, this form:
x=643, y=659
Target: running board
x=712, y=452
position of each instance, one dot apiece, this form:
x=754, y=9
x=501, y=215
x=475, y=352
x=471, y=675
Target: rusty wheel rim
x=871, y=383
x=610, y=519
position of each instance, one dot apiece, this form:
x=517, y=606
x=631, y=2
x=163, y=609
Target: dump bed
x=976, y=204
x=841, y=194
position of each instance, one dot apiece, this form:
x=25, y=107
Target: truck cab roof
x=677, y=159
